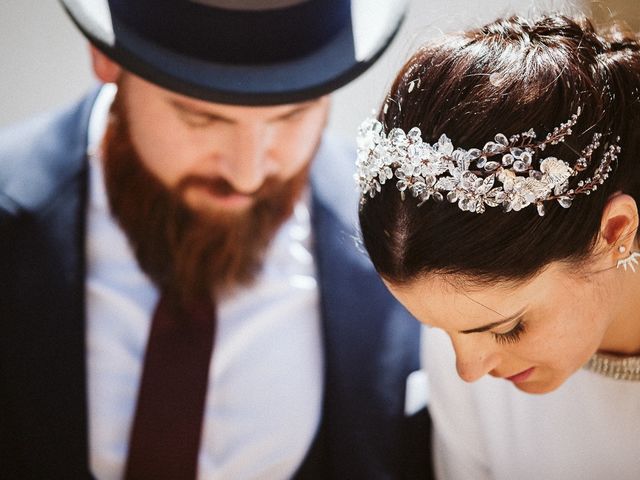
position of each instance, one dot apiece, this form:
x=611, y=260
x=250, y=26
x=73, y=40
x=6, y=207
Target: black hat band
x=234, y=36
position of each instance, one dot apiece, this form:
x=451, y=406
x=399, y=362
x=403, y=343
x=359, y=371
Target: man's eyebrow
x=491, y=325
x=203, y=113
x=221, y=118
x=299, y=107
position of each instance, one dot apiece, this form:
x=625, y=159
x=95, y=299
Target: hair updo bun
x=508, y=77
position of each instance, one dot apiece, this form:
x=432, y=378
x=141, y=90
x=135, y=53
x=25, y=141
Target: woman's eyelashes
x=511, y=336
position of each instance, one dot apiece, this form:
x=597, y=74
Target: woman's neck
x=623, y=335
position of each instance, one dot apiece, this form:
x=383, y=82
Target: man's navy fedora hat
x=250, y=52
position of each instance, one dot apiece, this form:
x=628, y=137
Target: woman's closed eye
x=512, y=335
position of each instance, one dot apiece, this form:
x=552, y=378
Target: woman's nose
x=474, y=358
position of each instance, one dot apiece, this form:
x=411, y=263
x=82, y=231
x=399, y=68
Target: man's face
x=221, y=154
x=199, y=188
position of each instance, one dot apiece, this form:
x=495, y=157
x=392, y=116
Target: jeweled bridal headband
x=502, y=173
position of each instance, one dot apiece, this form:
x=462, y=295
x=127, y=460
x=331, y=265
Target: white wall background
x=44, y=59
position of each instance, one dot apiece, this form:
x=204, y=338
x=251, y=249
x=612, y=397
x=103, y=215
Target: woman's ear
x=105, y=69
x=619, y=223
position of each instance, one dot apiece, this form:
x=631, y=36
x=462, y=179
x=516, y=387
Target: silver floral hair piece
x=499, y=174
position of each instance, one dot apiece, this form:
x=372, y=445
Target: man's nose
x=474, y=357
x=247, y=161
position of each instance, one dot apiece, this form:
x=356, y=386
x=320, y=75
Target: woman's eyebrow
x=491, y=325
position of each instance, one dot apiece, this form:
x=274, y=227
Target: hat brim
x=318, y=73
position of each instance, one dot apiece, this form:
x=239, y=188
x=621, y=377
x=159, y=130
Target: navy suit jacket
x=370, y=342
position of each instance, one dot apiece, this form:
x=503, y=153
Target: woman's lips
x=522, y=376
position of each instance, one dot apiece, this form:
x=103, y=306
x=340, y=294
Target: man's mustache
x=221, y=187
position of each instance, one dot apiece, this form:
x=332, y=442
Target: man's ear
x=619, y=223
x=105, y=69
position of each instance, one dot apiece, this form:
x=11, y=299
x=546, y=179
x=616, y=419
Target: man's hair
x=508, y=77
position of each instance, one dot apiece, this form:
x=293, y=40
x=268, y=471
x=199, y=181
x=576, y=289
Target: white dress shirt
x=266, y=379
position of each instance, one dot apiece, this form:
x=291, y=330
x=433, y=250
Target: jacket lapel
x=43, y=346
x=366, y=350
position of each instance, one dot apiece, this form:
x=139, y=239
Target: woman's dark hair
x=507, y=77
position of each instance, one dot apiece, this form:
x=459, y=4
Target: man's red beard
x=189, y=254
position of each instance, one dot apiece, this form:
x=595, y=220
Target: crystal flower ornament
x=500, y=174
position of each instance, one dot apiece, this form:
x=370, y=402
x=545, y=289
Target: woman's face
x=534, y=334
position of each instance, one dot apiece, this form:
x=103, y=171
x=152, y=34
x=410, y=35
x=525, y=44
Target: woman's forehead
x=461, y=304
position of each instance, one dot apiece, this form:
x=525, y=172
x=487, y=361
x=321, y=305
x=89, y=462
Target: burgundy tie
x=166, y=431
